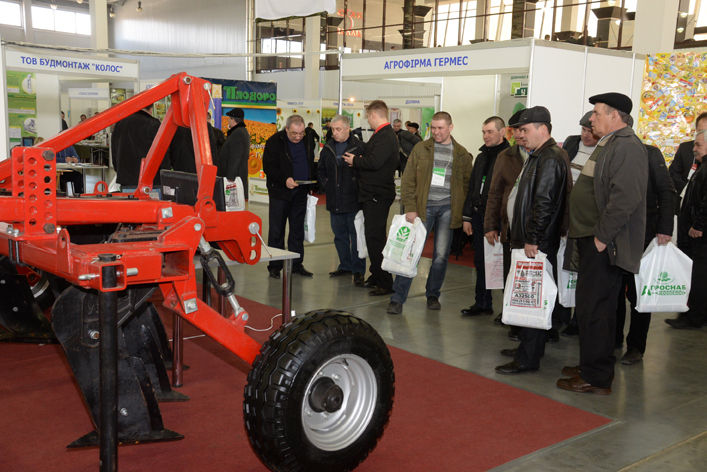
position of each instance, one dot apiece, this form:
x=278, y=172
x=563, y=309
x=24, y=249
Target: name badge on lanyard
x=438, y=175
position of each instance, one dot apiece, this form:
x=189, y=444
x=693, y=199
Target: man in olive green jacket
x=434, y=187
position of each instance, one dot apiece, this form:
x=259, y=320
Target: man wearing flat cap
x=233, y=156
x=537, y=211
x=414, y=128
x=579, y=148
x=608, y=222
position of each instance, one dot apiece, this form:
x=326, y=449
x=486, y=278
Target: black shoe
x=570, y=330
x=514, y=333
x=394, y=308
x=514, y=367
x=499, y=320
x=632, y=356
x=339, y=273
x=358, y=279
x=381, y=291
x=509, y=352
x=274, y=273
x=553, y=336
x=302, y=271
x=679, y=323
x=474, y=310
x=370, y=283
x=433, y=303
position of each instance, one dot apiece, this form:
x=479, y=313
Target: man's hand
x=466, y=227
x=492, y=237
x=71, y=160
x=663, y=239
x=291, y=183
x=600, y=245
x=693, y=233
x=410, y=216
x=531, y=250
x=348, y=157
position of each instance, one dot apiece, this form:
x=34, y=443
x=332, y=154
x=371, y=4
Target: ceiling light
x=681, y=29
x=611, y=2
x=112, y=12
x=53, y=5
x=139, y=6
x=79, y=2
x=683, y=14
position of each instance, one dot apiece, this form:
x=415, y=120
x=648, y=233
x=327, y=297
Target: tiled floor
x=659, y=406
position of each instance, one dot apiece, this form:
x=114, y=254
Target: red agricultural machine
x=320, y=390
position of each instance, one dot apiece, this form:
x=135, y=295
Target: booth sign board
x=89, y=93
x=519, y=86
x=73, y=65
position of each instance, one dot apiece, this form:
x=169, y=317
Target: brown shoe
x=570, y=371
x=576, y=384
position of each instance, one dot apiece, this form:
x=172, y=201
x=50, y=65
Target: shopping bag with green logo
x=530, y=293
x=414, y=236
x=663, y=281
x=400, y=238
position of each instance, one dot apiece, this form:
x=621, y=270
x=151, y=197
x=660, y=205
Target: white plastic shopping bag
x=235, y=196
x=566, y=280
x=359, y=224
x=408, y=241
x=663, y=281
x=530, y=293
x=400, y=239
x=493, y=263
x=310, y=219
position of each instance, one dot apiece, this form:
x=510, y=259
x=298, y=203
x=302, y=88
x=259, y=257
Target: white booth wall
x=48, y=107
x=470, y=101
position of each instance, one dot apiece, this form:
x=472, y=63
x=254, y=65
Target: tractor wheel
x=320, y=394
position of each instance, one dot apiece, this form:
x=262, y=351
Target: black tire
x=289, y=428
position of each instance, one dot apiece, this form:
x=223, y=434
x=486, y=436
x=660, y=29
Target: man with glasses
x=289, y=169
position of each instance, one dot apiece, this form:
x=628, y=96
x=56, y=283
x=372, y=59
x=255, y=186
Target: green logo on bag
x=662, y=286
x=403, y=233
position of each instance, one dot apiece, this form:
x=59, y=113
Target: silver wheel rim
x=337, y=430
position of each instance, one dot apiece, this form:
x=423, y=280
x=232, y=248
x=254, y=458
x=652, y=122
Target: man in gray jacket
x=608, y=220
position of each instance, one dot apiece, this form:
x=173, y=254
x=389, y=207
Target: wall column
x=654, y=30
x=312, y=28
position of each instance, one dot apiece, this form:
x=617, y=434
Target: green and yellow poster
x=22, y=105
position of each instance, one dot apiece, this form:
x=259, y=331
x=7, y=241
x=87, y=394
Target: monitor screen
x=28, y=141
x=181, y=187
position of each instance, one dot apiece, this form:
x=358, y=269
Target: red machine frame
x=33, y=216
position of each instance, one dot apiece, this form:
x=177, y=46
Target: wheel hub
x=326, y=396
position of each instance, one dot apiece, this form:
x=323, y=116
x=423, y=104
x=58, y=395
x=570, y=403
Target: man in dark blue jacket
x=338, y=181
x=288, y=169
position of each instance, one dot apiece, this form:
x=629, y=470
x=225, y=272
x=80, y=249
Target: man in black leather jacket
x=338, y=181
x=539, y=219
x=693, y=222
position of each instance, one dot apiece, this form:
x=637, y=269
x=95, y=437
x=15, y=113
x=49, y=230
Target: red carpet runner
x=444, y=419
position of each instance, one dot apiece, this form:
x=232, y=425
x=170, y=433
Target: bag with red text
x=530, y=293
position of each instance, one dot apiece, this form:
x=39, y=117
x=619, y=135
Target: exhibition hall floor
x=658, y=407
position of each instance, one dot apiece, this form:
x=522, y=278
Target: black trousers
x=282, y=211
x=598, y=286
x=532, y=341
x=484, y=298
x=375, y=215
x=640, y=322
x=697, y=300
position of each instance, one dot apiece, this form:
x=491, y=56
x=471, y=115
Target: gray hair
x=703, y=133
x=292, y=119
x=396, y=121
x=342, y=118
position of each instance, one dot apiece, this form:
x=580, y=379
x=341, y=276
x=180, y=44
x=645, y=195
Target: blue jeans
x=342, y=224
x=439, y=218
